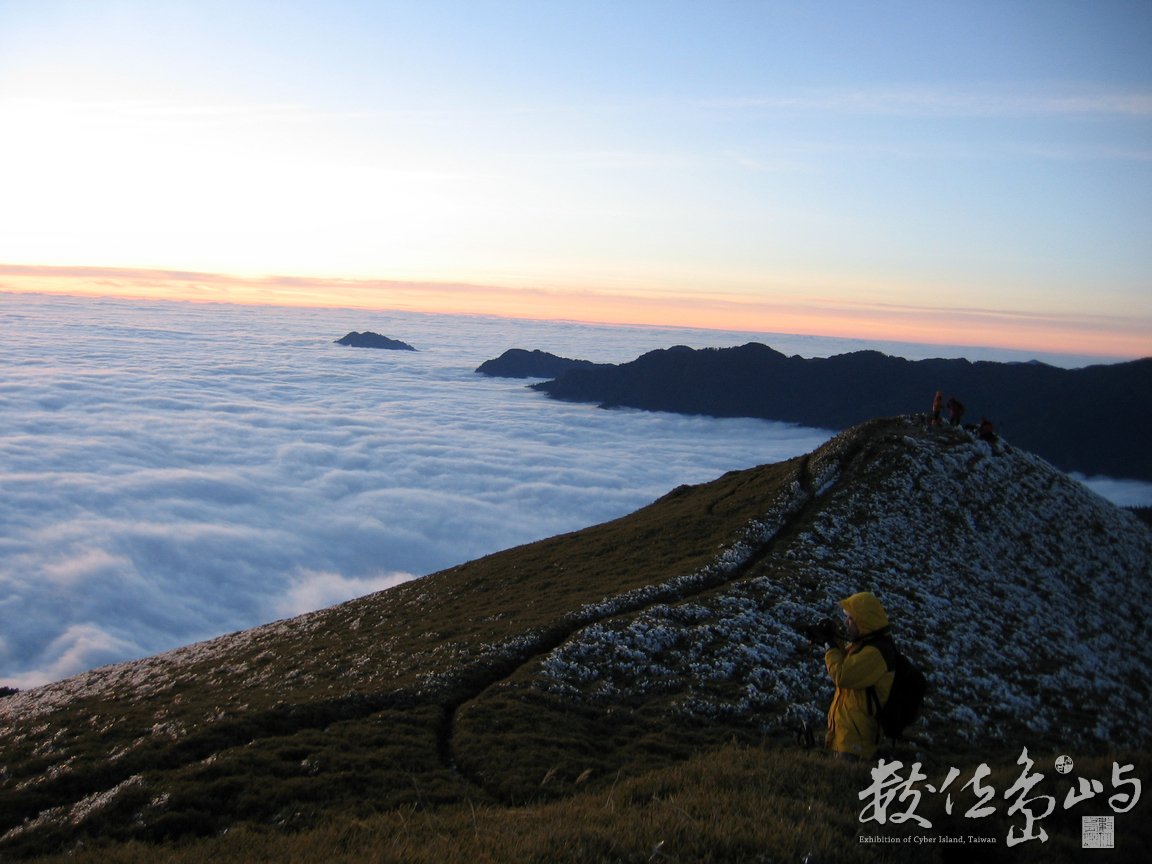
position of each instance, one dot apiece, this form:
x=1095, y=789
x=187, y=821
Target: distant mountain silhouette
x=1092, y=420
x=518, y=363
x=368, y=339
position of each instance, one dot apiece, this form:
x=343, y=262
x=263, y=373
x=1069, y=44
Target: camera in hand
x=823, y=632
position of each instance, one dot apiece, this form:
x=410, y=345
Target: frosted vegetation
x=1020, y=592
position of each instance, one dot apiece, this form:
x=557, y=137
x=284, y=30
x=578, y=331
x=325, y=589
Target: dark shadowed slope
x=620, y=648
x=1144, y=514
x=1095, y=420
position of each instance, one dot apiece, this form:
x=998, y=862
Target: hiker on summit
x=862, y=677
x=956, y=409
x=937, y=407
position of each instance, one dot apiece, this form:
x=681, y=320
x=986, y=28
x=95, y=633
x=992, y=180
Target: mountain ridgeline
x=518, y=363
x=1095, y=420
x=620, y=650
x=368, y=339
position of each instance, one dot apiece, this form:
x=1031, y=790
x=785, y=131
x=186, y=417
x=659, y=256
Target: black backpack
x=907, y=695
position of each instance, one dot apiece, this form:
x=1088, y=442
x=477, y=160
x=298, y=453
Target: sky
x=949, y=173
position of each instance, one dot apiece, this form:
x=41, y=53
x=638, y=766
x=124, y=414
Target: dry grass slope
x=731, y=804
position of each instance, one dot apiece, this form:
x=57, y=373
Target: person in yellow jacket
x=854, y=666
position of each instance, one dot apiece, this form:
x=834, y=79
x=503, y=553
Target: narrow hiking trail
x=800, y=498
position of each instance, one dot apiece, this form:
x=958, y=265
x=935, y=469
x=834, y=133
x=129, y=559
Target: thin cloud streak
x=931, y=103
x=926, y=102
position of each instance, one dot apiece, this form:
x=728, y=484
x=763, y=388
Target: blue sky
x=983, y=169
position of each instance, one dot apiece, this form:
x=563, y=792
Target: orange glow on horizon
x=1067, y=334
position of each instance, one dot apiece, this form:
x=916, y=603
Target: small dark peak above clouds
x=368, y=339
x=518, y=363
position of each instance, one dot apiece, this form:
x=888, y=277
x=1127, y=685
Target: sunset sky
x=962, y=173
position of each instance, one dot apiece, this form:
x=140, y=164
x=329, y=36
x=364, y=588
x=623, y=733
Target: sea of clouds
x=173, y=471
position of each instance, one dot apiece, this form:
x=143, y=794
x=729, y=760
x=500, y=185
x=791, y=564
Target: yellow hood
x=866, y=611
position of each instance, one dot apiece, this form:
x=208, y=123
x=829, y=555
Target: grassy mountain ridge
x=618, y=650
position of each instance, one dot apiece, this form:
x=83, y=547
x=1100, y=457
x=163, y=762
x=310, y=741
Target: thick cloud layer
x=170, y=471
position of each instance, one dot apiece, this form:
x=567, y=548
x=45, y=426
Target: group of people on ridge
x=956, y=412
x=861, y=657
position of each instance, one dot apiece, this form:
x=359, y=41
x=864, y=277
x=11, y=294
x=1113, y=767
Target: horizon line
x=1093, y=337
